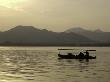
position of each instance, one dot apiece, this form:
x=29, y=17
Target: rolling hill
x=29, y=35
x=97, y=35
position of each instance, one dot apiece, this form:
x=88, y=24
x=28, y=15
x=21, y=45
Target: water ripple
x=44, y=66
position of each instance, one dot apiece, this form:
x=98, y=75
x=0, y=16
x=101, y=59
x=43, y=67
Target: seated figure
x=81, y=55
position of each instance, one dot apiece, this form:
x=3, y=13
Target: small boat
x=75, y=57
x=72, y=56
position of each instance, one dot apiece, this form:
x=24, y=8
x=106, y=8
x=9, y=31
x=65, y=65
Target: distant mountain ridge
x=28, y=35
x=79, y=29
x=97, y=35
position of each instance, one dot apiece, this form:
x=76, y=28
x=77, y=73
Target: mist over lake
x=41, y=64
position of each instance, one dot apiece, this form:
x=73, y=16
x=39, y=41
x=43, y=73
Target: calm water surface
x=41, y=64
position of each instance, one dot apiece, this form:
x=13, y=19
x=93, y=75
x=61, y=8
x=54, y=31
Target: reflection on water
x=44, y=66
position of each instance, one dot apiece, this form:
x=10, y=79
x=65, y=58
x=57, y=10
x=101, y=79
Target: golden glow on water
x=41, y=64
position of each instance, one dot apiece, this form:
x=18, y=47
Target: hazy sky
x=56, y=15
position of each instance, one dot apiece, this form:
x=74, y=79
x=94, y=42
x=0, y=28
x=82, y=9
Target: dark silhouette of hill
x=28, y=35
x=97, y=35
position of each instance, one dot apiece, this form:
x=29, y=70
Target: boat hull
x=74, y=57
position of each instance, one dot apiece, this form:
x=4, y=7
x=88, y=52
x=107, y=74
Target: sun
x=14, y=4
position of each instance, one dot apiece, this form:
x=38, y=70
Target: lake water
x=41, y=64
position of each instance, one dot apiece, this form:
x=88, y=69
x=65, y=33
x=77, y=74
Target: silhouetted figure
x=71, y=55
x=87, y=54
x=81, y=55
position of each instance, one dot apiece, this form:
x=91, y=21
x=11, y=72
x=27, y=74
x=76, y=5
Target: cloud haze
x=56, y=15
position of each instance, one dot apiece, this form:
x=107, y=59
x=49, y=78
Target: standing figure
x=87, y=54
